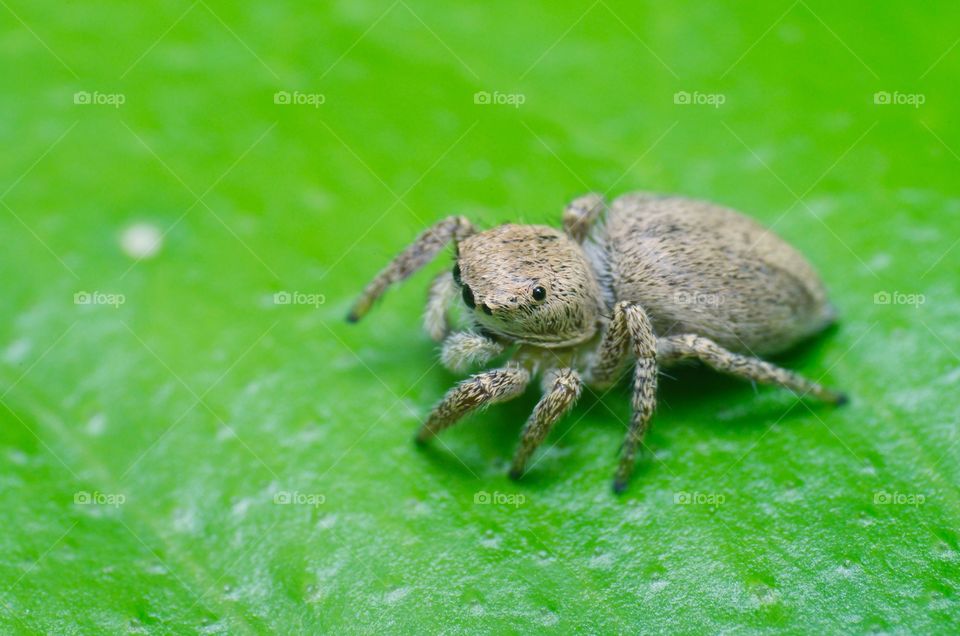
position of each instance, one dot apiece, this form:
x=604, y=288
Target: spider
x=649, y=281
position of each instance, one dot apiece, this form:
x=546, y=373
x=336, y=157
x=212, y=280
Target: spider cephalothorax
x=652, y=280
x=530, y=284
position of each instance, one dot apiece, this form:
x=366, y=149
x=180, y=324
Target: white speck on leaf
x=848, y=569
x=141, y=241
x=240, y=507
x=214, y=628
x=17, y=351
x=603, y=561
x=880, y=261
x=549, y=619
x=952, y=377
x=490, y=540
x=185, y=520
x=97, y=424
x=395, y=595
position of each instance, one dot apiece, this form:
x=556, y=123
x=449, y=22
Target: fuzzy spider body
x=704, y=269
x=650, y=282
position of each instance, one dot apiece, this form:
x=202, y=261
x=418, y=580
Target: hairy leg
x=746, y=367
x=489, y=387
x=465, y=349
x=612, y=354
x=442, y=293
x=580, y=215
x=629, y=334
x=415, y=256
x=562, y=388
x=644, y=396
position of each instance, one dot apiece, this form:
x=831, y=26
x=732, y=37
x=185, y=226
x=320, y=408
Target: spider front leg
x=466, y=349
x=629, y=332
x=561, y=390
x=463, y=349
x=489, y=387
x=419, y=253
x=443, y=291
x=581, y=213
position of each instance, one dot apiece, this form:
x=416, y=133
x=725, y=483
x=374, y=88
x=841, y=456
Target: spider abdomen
x=700, y=268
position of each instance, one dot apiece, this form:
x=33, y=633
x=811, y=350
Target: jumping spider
x=652, y=281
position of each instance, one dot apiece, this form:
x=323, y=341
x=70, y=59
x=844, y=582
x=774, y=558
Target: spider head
x=530, y=284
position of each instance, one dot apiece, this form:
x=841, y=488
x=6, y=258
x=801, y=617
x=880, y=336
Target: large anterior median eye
x=468, y=297
x=539, y=293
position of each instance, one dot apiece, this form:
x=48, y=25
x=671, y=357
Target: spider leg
x=581, y=213
x=629, y=334
x=465, y=349
x=482, y=389
x=443, y=291
x=562, y=388
x=613, y=353
x=423, y=249
x=689, y=346
x=644, y=396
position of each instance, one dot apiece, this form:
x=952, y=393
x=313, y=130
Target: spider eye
x=468, y=297
x=456, y=274
x=539, y=293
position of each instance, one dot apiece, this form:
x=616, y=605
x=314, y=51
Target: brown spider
x=652, y=281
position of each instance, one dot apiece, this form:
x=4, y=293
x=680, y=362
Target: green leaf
x=181, y=450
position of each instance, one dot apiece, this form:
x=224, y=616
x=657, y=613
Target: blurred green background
x=181, y=453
